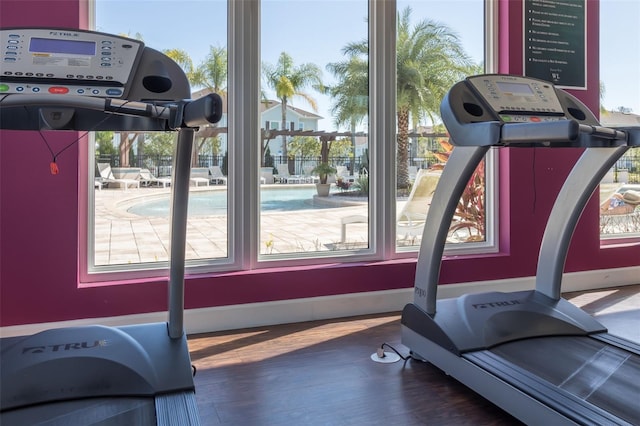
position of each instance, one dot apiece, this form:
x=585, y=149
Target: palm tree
x=289, y=81
x=182, y=58
x=212, y=73
x=430, y=59
x=351, y=102
x=350, y=106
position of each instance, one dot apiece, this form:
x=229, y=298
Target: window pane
x=133, y=170
x=438, y=43
x=314, y=121
x=620, y=106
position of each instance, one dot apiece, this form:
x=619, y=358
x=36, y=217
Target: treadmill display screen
x=515, y=88
x=73, y=47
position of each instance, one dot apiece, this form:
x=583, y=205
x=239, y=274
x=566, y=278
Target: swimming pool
x=207, y=203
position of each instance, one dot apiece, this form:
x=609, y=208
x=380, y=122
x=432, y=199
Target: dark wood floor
x=321, y=373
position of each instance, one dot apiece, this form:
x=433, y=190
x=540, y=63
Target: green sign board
x=555, y=42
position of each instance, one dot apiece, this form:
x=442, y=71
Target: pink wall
x=39, y=219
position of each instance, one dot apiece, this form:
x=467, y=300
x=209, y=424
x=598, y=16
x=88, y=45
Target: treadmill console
x=59, y=79
x=515, y=98
x=60, y=62
x=512, y=110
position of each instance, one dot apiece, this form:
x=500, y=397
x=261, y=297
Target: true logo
x=61, y=347
x=63, y=34
x=500, y=304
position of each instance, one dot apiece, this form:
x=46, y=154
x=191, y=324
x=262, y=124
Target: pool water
x=209, y=203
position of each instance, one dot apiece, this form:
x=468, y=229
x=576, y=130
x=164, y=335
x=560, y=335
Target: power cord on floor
x=381, y=353
x=386, y=357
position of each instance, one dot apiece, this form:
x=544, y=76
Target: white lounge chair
x=199, y=175
x=283, y=175
x=216, y=176
x=413, y=215
x=266, y=175
x=147, y=178
x=343, y=173
x=308, y=176
x=106, y=174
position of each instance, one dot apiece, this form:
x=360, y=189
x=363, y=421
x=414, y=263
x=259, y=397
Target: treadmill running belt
x=603, y=375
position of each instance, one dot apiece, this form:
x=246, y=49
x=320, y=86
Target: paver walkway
x=122, y=237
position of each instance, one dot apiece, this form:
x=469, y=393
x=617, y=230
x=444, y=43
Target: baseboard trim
x=325, y=307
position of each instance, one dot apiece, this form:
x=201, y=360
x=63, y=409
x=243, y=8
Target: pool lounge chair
x=620, y=213
x=199, y=175
x=308, y=176
x=413, y=215
x=107, y=177
x=343, y=173
x=266, y=175
x=283, y=175
x=147, y=178
x=216, y=176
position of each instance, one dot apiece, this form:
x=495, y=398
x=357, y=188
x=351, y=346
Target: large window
x=314, y=169
x=620, y=106
x=438, y=43
x=129, y=227
x=305, y=101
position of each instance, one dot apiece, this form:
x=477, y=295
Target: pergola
x=326, y=138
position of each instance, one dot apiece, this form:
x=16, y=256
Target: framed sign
x=555, y=41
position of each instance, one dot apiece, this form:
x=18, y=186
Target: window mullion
x=244, y=130
x=382, y=107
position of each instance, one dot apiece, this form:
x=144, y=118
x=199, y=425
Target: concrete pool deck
x=122, y=237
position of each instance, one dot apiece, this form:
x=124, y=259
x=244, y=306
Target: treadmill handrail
x=116, y=106
x=550, y=131
x=178, y=114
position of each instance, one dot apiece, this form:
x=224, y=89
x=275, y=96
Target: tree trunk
x=195, y=154
x=402, y=153
x=263, y=153
x=126, y=141
x=284, y=127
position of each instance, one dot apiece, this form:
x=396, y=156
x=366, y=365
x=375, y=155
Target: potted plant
x=323, y=170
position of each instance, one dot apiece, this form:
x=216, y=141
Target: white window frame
x=244, y=62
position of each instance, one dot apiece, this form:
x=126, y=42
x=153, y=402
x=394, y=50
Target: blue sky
x=315, y=31
x=620, y=53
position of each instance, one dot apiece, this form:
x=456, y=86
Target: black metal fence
x=627, y=168
x=159, y=165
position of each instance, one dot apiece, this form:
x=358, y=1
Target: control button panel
x=514, y=95
x=66, y=62
x=56, y=89
x=524, y=118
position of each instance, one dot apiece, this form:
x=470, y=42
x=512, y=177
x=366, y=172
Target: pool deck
x=123, y=238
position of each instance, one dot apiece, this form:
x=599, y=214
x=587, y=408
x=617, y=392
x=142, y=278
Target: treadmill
x=532, y=353
x=133, y=375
